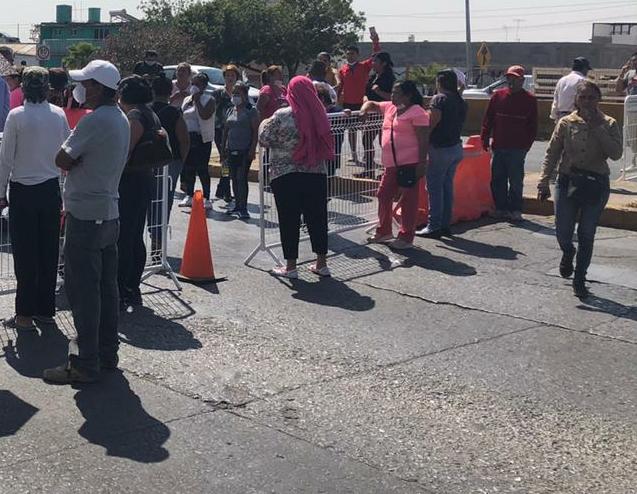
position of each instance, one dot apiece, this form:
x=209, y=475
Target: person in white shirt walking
x=33, y=180
x=566, y=89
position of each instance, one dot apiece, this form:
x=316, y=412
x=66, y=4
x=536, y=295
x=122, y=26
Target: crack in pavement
x=504, y=314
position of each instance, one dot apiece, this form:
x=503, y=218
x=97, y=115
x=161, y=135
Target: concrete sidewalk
x=465, y=366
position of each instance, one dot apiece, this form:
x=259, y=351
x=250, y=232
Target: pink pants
x=408, y=203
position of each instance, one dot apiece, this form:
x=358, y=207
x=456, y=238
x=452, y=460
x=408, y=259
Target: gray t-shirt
x=100, y=141
x=239, y=127
x=630, y=80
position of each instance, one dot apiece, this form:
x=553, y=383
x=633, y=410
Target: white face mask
x=237, y=100
x=79, y=93
x=194, y=90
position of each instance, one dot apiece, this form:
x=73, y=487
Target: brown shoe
x=64, y=374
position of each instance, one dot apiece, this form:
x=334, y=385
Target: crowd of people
x=105, y=133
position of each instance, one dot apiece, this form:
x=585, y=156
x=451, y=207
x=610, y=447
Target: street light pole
x=468, y=42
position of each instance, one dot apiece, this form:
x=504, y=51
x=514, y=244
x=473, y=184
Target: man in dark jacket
x=509, y=128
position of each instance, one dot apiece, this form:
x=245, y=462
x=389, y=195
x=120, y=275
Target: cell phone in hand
x=372, y=32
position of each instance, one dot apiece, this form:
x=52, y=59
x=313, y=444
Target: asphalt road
x=465, y=366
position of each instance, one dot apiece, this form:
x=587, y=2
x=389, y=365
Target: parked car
x=216, y=78
x=486, y=92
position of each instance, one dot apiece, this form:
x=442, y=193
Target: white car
x=486, y=92
x=216, y=78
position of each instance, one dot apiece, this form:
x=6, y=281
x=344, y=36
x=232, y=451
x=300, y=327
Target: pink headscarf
x=316, y=142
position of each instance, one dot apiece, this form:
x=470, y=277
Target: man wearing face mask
x=94, y=156
x=509, y=128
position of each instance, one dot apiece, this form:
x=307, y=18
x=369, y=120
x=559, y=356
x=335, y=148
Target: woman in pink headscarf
x=300, y=140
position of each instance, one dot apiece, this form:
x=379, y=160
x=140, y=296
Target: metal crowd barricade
x=629, y=160
x=155, y=238
x=351, y=185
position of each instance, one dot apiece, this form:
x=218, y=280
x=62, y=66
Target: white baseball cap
x=99, y=70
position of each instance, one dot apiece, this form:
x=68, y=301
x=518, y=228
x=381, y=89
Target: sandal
x=379, y=239
x=283, y=272
x=324, y=272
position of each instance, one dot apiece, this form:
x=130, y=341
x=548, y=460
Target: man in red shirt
x=509, y=127
x=354, y=76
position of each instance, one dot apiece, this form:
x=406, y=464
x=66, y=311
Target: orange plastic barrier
x=196, y=262
x=471, y=187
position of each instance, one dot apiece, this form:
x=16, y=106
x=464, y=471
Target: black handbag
x=152, y=150
x=405, y=174
x=585, y=187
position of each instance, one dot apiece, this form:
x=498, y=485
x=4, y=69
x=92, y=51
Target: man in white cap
x=94, y=156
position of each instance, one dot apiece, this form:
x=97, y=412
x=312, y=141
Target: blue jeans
x=566, y=215
x=507, y=178
x=442, y=168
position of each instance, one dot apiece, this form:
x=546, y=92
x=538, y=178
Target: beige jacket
x=575, y=145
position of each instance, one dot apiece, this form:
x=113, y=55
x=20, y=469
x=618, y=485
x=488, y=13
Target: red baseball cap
x=516, y=71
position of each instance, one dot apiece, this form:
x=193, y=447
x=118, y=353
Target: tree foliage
x=287, y=32
x=79, y=55
x=127, y=47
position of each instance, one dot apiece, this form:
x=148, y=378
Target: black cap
x=582, y=63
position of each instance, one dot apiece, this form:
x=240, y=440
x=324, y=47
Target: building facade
x=615, y=33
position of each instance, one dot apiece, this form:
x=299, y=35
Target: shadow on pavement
x=31, y=352
x=594, y=303
x=116, y=420
x=331, y=293
x=150, y=331
x=474, y=248
x=14, y=413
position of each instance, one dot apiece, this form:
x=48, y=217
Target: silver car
x=486, y=92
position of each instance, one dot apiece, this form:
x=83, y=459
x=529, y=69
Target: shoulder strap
x=393, y=146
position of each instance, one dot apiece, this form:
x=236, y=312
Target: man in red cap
x=509, y=128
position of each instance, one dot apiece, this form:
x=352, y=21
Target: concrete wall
x=505, y=54
x=477, y=107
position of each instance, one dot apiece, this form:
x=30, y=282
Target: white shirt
x=32, y=138
x=194, y=122
x=564, y=97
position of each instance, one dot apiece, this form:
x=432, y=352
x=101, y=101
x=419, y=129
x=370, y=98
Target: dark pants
x=196, y=165
x=34, y=227
x=335, y=164
x=368, y=146
x=155, y=211
x=507, y=178
x=299, y=194
x=223, y=188
x=567, y=212
x=135, y=190
x=239, y=168
x=90, y=282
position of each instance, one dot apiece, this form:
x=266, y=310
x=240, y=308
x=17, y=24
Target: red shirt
x=511, y=120
x=354, y=79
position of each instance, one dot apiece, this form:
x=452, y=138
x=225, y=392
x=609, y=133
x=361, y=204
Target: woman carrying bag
x=405, y=143
x=579, y=149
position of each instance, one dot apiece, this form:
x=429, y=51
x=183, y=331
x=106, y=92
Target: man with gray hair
x=94, y=156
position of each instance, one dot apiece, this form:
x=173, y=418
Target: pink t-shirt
x=405, y=140
x=16, y=98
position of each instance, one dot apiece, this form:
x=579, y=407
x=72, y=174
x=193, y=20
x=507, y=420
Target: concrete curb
x=612, y=217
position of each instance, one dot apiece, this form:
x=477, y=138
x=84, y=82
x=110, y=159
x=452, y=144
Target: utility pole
x=517, y=29
x=468, y=41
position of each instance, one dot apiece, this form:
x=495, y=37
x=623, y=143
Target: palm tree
x=79, y=55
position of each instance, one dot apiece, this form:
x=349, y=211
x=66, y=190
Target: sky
x=395, y=20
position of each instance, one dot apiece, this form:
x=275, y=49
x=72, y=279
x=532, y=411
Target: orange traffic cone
x=196, y=261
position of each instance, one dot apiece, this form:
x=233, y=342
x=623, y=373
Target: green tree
x=127, y=47
x=425, y=76
x=79, y=55
x=288, y=32
x=163, y=10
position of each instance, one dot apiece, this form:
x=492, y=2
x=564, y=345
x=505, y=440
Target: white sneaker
x=186, y=202
x=207, y=204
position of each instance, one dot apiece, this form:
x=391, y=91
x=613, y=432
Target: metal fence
x=155, y=238
x=352, y=182
x=629, y=160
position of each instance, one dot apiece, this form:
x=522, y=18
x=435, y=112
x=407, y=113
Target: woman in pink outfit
x=13, y=78
x=405, y=144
